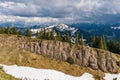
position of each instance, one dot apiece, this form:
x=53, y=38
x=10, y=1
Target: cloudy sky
x=60, y=11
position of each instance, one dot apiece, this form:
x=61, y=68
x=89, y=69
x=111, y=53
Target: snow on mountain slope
x=35, y=30
x=115, y=28
x=30, y=73
x=59, y=27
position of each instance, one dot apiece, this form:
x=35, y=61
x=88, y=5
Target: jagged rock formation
x=83, y=56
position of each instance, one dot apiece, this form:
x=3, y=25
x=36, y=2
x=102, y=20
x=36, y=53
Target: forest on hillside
x=94, y=41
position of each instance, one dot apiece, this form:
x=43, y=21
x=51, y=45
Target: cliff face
x=83, y=56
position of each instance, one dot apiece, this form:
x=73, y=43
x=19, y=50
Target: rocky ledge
x=82, y=55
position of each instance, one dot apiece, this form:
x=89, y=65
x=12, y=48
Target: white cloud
x=4, y=18
x=62, y=10
x=88, y=6
x=13, y=8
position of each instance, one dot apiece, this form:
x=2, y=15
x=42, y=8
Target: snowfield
x=29, y=73
x=111, y=76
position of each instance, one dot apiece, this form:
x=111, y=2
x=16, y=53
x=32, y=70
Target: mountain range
x=111, y=31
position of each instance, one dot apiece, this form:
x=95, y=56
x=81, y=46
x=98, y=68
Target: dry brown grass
x=13, y=55
x=4, y=76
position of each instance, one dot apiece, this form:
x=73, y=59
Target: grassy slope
x=4, y=76
x=13, y=55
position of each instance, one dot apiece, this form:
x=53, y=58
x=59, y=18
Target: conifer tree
x=104, y=42
x=2, y=30
x=47, y=35
x=58, y=36
x=7, y=30
x=94, y=41
x=44, y=33
x=82, y=40
x=67, y=38
x=101, y=46
x=52, y=35
x=37, y=35
x=77, y=38
x=28, y=33
x=14, y=30
x=19, y=32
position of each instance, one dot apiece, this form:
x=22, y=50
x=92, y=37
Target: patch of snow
x=35, y=30
x=115, y=27
x=63, y=27
x=73, y=32
x=49, y=27
x=30, y=73
x=111, y=76
x=60, y=27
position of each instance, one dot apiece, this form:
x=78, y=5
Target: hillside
x=4, y=76
x=15, y=50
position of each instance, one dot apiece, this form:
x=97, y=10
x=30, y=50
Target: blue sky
x=60, y=11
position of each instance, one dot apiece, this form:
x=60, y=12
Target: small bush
x=1, y=67
x=70, y=60
x=34, y=58
x=118, y=63
x=19, y=36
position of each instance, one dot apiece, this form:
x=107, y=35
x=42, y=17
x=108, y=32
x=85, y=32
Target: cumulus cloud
x=61, y=10
x=4, y=18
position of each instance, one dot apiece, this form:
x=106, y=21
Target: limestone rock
x=83, y=56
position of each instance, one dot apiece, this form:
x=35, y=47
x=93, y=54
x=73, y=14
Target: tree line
x=100, y=42
x=14, y=31
x=10, y=31
x=94, y=41
x=97, y=42
x=50, y=35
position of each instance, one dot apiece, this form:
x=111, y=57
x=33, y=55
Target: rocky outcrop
x=83, y=56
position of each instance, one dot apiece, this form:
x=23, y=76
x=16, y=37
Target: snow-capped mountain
x=62, y=28
x=57, y=27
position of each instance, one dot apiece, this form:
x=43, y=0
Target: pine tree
x=37, y=35
x=19, y=32
x=114, y=46
x=7, y=30
x=67, y=38
x=44, y=33
x=2, y=30
x=77, y=38
x=58, y=36
x=52, y=35
x=94, y=41
x=28, y=33
x=101, y=46
x=82, y=40
x=14, y=30
x=47, y=35
x=104, y=42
